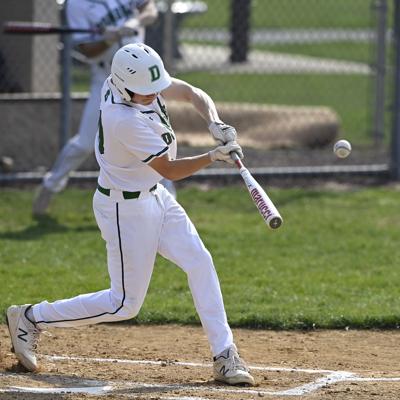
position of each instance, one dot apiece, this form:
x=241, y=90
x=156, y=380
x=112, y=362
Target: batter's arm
x=93, y=49
x=187, y=166
x=180, y=168
x=182, y=91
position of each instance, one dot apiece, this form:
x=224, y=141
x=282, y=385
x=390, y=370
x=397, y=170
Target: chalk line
x=95, y=387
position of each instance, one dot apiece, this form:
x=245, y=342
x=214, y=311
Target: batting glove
x=115, y=33
x=130, y=27
x=222, y=153
x=222, y=132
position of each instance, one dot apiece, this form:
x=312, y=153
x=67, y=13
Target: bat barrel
x=261, y=200
x=275, y=222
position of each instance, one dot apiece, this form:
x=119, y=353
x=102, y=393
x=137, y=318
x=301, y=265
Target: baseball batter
x=138, y=218
x=123, y=22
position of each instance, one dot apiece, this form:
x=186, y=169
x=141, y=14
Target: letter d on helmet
x=139, y=69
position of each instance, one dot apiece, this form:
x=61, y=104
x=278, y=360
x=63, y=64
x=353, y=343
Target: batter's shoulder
x=132, y=122
x=120, y=114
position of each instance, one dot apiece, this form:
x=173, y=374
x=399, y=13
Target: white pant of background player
x=135, y=230
x=79, y=147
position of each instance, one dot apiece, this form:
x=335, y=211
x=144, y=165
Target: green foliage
x=334, y=262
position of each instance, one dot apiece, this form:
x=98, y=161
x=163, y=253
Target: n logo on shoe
x=223, y=370
x=21, y=335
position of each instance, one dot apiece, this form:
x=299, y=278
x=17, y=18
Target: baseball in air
x=342, y=148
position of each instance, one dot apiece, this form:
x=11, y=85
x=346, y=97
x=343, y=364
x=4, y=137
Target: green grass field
x=333, y=264
x=292, y=14
x=344, y=51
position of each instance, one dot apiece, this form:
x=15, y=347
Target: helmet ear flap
x=119, y=84
x=130, y=93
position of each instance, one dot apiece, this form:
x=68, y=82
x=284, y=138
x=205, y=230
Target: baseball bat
x=263, y=203
x=42, y=28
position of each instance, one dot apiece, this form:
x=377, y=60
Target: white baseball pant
x=134, y=231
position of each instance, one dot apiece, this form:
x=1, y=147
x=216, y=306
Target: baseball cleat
x=42, y=201
x=24, y=336
x=231, y=369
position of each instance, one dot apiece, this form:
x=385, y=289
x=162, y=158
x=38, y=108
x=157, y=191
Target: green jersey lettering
x=107, y=94
x=101, y=136
x=167, y=137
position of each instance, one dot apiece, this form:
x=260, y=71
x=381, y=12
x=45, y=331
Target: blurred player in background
x=138, y=218
x=123, y=22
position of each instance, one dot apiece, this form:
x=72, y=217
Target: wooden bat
x=42, y=28
x=264, y=204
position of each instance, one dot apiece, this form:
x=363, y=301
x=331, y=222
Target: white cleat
x=42, y=201
x=231, y=369
x=24, y=336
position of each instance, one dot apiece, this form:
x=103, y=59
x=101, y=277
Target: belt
x=126, y=195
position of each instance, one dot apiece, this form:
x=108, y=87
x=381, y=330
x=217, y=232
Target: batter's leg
x=170, y=186
x=131, y=229
x=181, y=244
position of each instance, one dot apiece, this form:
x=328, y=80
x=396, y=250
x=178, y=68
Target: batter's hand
x=222, y=132
x=130, y=27
x=115, y=33
x=222, y=153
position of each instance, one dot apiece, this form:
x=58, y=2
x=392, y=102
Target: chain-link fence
x=320, y=69
x=292, y=75
x=29, y=63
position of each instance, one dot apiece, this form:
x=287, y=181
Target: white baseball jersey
x=129, y=137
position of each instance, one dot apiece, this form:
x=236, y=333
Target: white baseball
x=342, y=148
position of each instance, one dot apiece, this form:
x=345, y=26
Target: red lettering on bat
x=260, y=203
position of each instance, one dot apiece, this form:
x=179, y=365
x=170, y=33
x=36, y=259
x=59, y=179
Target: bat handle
x=237, y=160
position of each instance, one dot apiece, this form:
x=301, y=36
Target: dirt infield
x=173, y=362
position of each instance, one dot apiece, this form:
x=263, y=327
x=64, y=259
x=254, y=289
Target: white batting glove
x=115, y=33
x=222, y=132
x=130, y=27
x=222, y=153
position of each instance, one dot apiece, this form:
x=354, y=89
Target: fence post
x=168, y=33
x=65, y=80
x=240, y=30
x=380, y=70
x=395, y=145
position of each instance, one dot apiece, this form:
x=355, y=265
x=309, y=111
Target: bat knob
x=275, y=223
